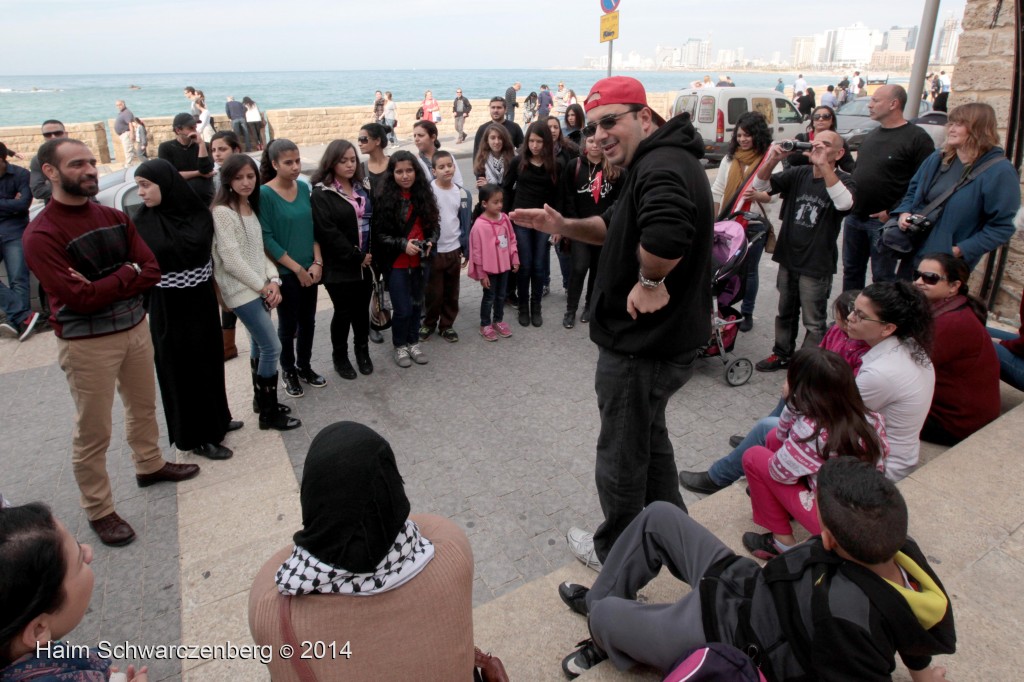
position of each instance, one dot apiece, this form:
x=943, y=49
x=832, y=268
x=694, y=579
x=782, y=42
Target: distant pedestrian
x=530, y=108
x=235, y=112
x=780, y=86
x=560, y=101
x=829, y=98
x=254, y=122
x=205, y=127
x=188, y=153
x=857, y=84
x=544, y=102
x=805, y=103
x=191, y=94
x=141, y=139
x=497, y=109
x=510, y=100
x=378, y=107
x=15, y=297
x=460, y=110
x=799, y=85
x=124, y=126
x=494, y=157
x=431, y=109
x=390, y=117
x=945, y=82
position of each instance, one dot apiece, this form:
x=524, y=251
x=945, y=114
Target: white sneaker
x=581, y=544
x=402, y=356
x=417, y=355
x=28, y=326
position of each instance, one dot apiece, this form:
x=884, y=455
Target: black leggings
x=351, y=310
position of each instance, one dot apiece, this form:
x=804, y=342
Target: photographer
x=814, y=200
x=188, y=154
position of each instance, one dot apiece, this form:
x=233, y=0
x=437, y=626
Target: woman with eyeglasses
x=966, y=365
x=822, y=118
x=341, y=225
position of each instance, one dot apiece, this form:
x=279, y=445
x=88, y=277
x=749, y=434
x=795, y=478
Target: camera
x=795, y=146
x=918, y=223
x=419, y=243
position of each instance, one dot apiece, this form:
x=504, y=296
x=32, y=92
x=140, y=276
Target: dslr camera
x=795, y=146
x=919, y=223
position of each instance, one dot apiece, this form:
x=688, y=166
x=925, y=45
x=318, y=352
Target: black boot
x=270, y=416
x=253, y=365
x=343, y=366
x=535, y=317
x=363, y=360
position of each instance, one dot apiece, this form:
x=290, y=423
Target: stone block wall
x=27, y=139
x=984, y=73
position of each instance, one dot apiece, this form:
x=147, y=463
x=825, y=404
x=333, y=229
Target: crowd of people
x=620, y=193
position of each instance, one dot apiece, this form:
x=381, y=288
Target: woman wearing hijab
x=397, y=589
x=184, y=319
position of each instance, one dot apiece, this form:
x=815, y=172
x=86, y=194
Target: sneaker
x=291, y=384
x=312, y=378
x=28, y=326
x=772, y=363
x=8, y=330
x=504, y=331
x=699, y=482
x=575, y=597
x=569, y=320
x=583, y=659
x=425, y=332
x=761, y=545
x=376, y=336
x=488, y=333
x=402, y=358
x=450, y=335
x=417, y=355
x=581, y=544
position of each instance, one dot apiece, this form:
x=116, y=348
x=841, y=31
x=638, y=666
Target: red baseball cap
x=619, y=90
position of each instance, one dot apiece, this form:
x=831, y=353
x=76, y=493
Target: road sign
x=609, y=6
x=610, y=27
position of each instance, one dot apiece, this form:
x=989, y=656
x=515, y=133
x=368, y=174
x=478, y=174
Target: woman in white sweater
x=249, y=282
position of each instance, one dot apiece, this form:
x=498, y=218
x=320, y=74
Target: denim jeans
x=390, y=123
x=862, y=240
x=14, y=296
x=296, y=317
x=406, y=286
x=241, y=131
x=533, y=253
x=264, y=344
x=799, y=294
x=753, y=278
x=494, y=299
x=730, y=468
x=635, y=461
x=1011, y=367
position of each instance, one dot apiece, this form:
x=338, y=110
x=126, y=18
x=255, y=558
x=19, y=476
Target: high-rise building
x=805, y=52
x=948, y=41
x=900, y=39
x=854, y=45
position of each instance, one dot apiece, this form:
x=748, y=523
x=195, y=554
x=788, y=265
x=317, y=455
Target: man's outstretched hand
x=545, y=219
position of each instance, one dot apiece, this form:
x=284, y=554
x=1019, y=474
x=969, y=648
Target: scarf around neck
x=743, y=163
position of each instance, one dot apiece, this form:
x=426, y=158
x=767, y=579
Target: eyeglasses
x=55, y=133
x=822, y=117
x=858, y=316
x=362, y=140
x=931, y=278
x=607, y=122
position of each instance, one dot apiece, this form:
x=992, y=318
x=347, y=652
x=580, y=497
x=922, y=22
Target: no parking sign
x=609, y=6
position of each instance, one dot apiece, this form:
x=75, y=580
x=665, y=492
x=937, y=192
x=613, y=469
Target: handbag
x=380, y=306
x=906, y=241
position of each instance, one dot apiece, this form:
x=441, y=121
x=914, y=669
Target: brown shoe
x=113, y=530
x=230, y=349
x=170, y=472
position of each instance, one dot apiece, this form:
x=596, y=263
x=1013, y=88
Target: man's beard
x=76, y=189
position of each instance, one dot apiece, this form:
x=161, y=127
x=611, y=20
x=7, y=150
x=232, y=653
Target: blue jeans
x=264, y=344
x=406, y=287
x=635, y=461
x=730, y=468
x=241, y=131
x=1011, y=367
x=494, y=299
x=800, y=295
x=533, y=253
x=14, y=299
x=753, y=282
x=862, y=240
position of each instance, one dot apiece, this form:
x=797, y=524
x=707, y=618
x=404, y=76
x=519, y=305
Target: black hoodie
x=666, y=206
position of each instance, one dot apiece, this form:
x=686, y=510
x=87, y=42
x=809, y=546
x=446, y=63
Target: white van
x=715, y=111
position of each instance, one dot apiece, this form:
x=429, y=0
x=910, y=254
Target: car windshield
x=858, y=107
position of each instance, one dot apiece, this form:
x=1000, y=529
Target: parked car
x=854, y=122
x=715, y=111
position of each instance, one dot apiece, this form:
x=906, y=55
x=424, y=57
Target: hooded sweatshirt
x=665, y=206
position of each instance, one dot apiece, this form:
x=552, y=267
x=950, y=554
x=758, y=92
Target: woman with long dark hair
x=424, y=136
x=494, y=157
x=531, y=182
x=575, y=119
x=254, y=121
x=966, y=365
x=341, y=222
x=373, y=140
x=288, y=236
x=405, y=226
x=249, y=281
x=183, y=315
x=822, y=118
x=806, y=102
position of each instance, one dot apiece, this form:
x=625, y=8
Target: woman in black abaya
x=184, y=319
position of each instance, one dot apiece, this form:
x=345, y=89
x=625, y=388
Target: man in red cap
x=651, y=301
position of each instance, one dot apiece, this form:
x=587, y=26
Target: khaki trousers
x=94, y=367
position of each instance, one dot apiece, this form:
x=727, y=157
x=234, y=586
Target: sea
x=29, y=100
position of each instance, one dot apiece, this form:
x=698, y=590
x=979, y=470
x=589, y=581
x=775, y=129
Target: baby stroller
x=729, y=250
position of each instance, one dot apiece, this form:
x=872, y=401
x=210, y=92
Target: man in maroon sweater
x=94, y=268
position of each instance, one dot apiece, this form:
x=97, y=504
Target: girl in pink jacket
x=492, y=255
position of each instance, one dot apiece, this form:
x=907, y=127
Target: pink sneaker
x=502, y=329
x=488, y=333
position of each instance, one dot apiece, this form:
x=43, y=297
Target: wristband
x=276, y=280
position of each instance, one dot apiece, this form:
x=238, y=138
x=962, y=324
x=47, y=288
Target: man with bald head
x=815, y=198
x=886, y=161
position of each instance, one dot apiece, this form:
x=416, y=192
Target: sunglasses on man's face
x=822, y=117
x=607, y=122
x=55, y=133
x=931, y=278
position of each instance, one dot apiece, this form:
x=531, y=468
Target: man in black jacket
x=651, y=301
x=187, y=152
x=460, y=111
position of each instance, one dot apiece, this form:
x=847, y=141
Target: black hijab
x=353, y=499
x=179, y=231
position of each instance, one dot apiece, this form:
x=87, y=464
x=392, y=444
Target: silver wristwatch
x=276, y=280
x=650, y=283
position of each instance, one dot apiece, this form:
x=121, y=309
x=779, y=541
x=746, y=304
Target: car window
x=129, y=200
x=736, y=107
x=763, y=106
x=858, y=107
x=685, y=103
x=787, y=113
x=706, y=113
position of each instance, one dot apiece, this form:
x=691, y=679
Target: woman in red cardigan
x=966, y=365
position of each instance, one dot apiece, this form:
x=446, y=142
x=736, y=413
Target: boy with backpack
x=839, y=606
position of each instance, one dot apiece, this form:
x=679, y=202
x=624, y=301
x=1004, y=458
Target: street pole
x=924, y=50
x=610, y=43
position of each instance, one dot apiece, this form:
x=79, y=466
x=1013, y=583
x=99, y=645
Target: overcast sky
x=148, y=36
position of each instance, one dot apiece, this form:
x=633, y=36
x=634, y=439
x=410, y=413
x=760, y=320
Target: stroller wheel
x=738, y=371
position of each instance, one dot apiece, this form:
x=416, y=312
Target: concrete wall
x=26, y=140
x=984, y=73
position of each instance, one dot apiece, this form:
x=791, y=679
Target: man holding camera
x=814, y=200
x=187, y=152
